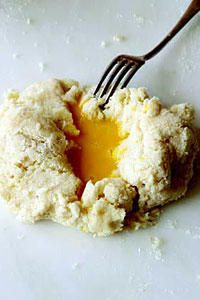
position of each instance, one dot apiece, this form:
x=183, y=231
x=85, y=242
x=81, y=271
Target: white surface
x=48, y=261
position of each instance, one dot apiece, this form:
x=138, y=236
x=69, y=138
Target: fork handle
x=190, y=12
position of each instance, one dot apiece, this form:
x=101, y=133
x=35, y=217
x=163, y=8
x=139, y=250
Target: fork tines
x=121, y=68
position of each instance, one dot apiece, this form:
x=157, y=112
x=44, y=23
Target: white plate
x=48, y=261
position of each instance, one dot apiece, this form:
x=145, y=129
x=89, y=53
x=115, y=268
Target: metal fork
x=123, y=67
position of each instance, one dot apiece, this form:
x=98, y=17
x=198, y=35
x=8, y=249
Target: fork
x=123, y=67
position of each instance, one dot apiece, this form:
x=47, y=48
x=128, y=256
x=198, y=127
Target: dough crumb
x=119, y=38
x=156, y=244
x=28, y=21
x=41, y=66
x=104, y=44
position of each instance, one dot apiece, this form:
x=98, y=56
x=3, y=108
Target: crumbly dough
x=37, y=181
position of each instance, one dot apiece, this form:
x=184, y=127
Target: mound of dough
x=37, y=181
x=160, y=147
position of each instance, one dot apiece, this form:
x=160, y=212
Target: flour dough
x=37, y=181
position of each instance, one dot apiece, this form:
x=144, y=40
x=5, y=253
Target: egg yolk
x=92, y=158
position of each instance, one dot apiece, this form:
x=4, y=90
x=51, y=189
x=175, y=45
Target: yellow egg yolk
x=93, y=157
